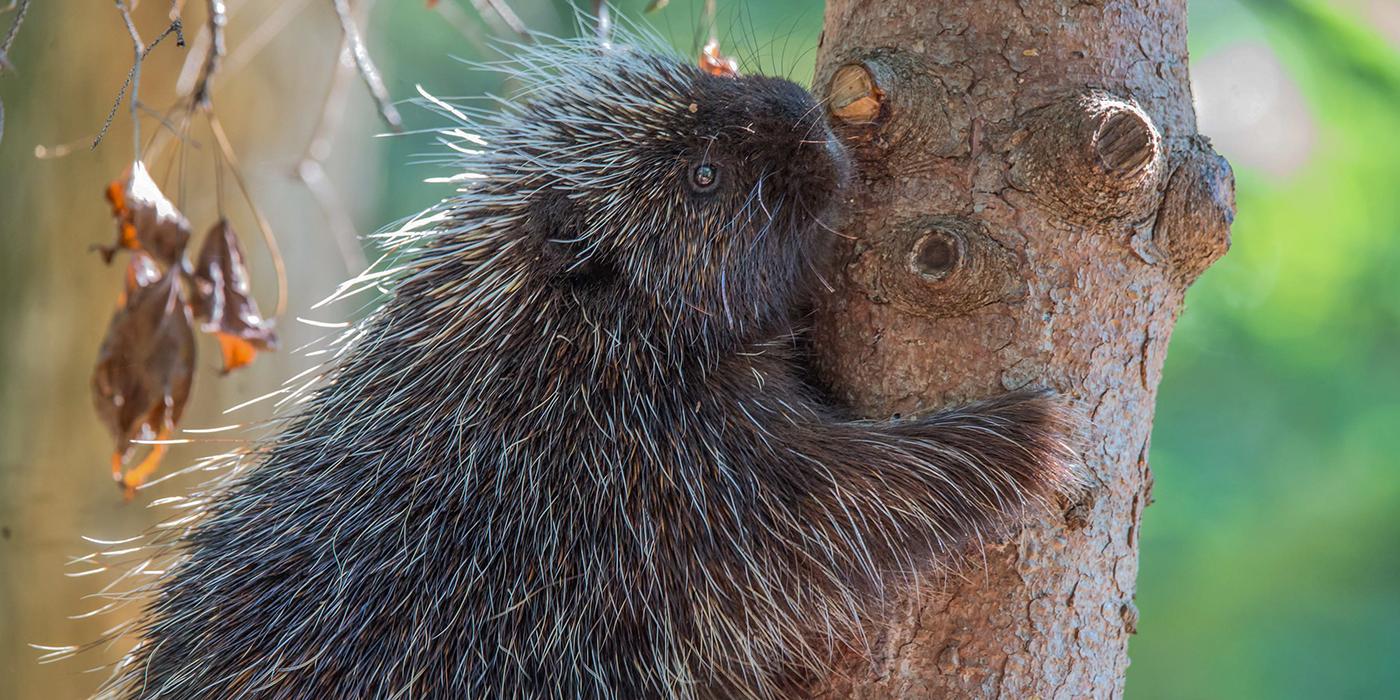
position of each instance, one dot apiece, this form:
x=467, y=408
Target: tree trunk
x=1034, y=202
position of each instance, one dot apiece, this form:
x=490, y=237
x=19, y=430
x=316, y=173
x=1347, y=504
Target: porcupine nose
x=817, y=160
x=830, y=161
x=830, y=150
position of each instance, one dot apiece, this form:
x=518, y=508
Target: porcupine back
x=571, y=455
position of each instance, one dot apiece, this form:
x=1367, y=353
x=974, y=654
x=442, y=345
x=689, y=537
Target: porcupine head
x=572, y=454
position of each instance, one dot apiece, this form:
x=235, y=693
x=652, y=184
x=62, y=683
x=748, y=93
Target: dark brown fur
x=572, y=455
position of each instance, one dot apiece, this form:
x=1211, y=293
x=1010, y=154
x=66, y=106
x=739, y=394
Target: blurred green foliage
x=1270, y=565
x=1271, y=560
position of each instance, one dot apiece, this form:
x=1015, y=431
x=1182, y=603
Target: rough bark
x=1034, y=202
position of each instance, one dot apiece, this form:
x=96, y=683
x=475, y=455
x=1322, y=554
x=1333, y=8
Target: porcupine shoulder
x=571, y=456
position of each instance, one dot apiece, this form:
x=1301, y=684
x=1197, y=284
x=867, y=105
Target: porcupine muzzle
x=818, y=166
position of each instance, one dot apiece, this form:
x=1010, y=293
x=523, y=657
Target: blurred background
x=1270, y=561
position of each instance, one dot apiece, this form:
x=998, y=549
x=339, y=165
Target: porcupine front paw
x=995, y=459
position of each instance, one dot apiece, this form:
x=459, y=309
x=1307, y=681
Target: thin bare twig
x=164, y=119
x=23, y=6
x=263, y=34
x=502, y=11
x=193, y=66
x=55, y=151
x=311, y=168
x=501, y=19
x=133, y=77
x=179, y=26
x=368, y=72
x=218, y=18
x=264, y=31
x=5, y=49
x=176, y=120
x=708, y=26
x=712, y=21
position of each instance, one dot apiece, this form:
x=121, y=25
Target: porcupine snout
x=841, y=160
x=819, y=141
x=819, y=167
x=831, y=170
x=833, y=154
x=822, y=147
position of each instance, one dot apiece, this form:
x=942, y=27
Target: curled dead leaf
x=717, y=64
x=224, y=301
x=146, y=219
x=141, y=271
x=145, y=366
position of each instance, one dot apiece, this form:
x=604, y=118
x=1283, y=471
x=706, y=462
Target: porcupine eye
x=704, y=178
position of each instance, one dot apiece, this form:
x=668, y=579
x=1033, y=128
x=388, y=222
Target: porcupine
x=573, y=454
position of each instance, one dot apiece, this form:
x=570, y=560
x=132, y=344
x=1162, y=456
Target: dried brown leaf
x=146, y=219
x=141, y=271
x=223, y=300
x=146, y=364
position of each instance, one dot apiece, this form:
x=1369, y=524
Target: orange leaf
x=237, y=352
x=717, y=64
x=137, y=475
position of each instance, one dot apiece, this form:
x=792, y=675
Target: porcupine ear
x=554, y=225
